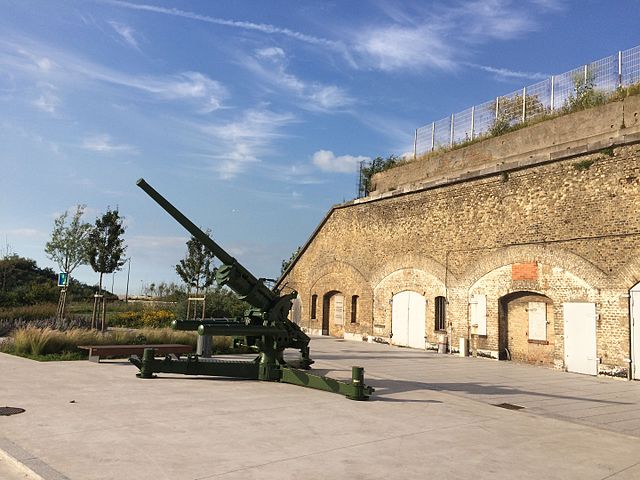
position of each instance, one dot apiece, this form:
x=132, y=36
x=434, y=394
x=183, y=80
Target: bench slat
x=95, y=351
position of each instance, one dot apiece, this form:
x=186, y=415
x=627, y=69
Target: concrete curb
x=26, y=463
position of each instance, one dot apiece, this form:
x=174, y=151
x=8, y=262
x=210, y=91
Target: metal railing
x=548, y=96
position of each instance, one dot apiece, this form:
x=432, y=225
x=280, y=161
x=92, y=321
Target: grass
x=36, y=343
x=47, y=344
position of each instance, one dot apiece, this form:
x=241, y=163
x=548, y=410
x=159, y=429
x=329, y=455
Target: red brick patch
x=524, y=271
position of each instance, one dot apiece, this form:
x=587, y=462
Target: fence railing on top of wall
x=548, y=96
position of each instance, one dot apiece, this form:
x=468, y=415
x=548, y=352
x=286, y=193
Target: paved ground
x=432, y=416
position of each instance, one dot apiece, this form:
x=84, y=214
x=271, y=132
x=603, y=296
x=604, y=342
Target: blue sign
x=63, y=279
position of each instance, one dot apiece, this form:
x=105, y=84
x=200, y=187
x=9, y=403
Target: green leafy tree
x=368, y=170
x=286, y=263
x=68, y=244
x=105, y=244
x=196, y=269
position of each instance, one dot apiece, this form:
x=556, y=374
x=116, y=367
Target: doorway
x=580, y=338
x=408, y=319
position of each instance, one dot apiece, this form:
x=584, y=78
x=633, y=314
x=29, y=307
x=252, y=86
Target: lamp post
x=126, y=295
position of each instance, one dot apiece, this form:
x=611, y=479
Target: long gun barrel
x=232, y=273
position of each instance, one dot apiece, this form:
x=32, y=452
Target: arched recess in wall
x=402, y=261
x=335, y=285
x=545, y=254
x=526, y=322
x=407, y=279
x=630, y=274
x=486, y=297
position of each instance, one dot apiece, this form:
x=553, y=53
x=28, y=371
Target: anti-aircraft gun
x=265, y=326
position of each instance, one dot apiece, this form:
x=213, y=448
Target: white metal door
x=416, y=320
x=400, y=319
x=580, y=338
x=408, y=319
x=635, y=331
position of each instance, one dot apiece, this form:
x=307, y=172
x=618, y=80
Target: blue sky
x=249, y=116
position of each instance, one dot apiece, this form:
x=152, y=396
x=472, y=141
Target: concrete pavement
x=432, y=415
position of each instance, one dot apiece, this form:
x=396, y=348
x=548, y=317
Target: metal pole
x=113, y=279
x=126, y=295
x=553, y=84
x=619, y=68
x=524, y=104
x=473, y=116
x=451, y=136
x=415, y=144
x=497, y=106
x=586, y=73
x=433, y=136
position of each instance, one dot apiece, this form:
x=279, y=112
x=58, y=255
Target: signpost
x=63, y=282
x=63, y=279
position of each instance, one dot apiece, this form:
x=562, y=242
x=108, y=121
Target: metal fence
x=545, y=97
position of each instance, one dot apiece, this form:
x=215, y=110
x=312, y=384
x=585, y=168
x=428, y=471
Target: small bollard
x=204, y=347
x=357, y=381
x=148, y=357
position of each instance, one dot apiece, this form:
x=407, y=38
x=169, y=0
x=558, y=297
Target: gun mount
x=265, y=326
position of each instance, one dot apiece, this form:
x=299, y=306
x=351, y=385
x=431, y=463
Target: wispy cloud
x=327, y=161
x=41, y=61
x=441, y=37
x=245, y=141
x=103, y=143
x=270, y=64
x=258, y=27
x=396, y=46
x=47, y=101
x=506, y=74
x=127, y=33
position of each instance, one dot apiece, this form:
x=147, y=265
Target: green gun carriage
x=265, y=326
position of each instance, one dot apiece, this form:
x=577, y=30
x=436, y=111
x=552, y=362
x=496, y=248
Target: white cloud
x=243, y=25
x=399, y=47
x=326, y=160
x=104, y=144
x=271, y=53
x=126, y=32
x=193, y=87
x=270, y=64
x=245, y=141
x=505, y=73
x=442, y=37
x=48, y=101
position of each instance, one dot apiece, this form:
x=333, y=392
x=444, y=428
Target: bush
x=142, y=319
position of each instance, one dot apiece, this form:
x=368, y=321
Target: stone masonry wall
x=567, y=230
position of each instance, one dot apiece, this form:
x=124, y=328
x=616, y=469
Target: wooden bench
x=97, y=351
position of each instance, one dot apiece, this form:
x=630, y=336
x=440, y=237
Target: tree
x=367, y=171
x=68, y=244
x=105, y=245
x=196, y=268
x=286, y=263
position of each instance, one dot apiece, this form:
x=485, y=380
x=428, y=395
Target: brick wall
x=566, y=229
